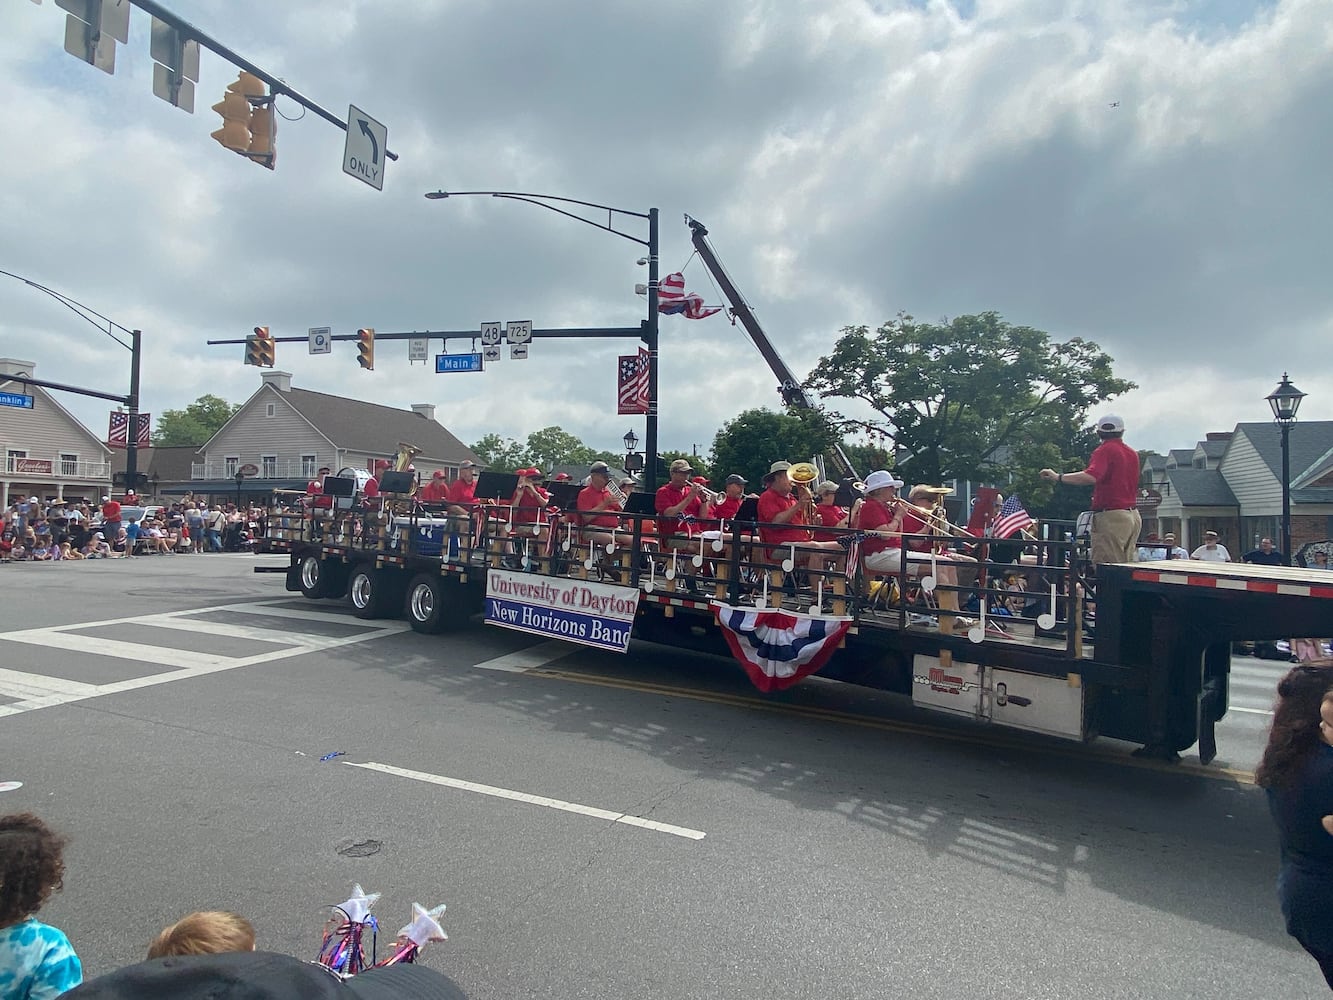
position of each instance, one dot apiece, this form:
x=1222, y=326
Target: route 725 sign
x=363, y=153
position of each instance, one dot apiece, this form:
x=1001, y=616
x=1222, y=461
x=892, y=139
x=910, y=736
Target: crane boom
x=788, y=385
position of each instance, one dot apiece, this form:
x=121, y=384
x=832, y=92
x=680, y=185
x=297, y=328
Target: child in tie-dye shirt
x=37, y=961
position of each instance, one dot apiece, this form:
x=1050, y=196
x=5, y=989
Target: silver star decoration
x=425, y=926
x=358, y=907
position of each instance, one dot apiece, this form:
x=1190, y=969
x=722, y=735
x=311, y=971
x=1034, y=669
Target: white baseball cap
x=1110, y=423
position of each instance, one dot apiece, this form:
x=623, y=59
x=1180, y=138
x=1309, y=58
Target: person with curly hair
x=37, y=961
x=1297, y=773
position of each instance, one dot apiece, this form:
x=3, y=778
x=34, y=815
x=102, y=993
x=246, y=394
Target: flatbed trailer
x=1155, y=675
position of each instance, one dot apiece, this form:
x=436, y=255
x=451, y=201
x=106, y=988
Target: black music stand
x=564, y=495
x=496, y=486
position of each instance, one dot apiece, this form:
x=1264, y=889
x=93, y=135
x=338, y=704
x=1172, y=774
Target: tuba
x=406, y=452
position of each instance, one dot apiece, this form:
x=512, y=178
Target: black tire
x=312, y=579
x=371, y=592
x=434, y=604
x=424, y=604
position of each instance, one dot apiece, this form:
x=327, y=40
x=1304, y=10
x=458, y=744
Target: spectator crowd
x=37, y=530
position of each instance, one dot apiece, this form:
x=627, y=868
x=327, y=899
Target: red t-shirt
x=588, y=498
x=915, y=525
x=111, y=510
x=876, y=515
x=314, y=488
x=725, y=509
x=527, y=508
x=462, y=492
x=1115, y=466
x=830, y=516
x=372, y=489
x=670, y=495
x=771, y=504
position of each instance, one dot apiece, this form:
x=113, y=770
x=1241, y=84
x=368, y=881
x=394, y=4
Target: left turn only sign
x=363, y=153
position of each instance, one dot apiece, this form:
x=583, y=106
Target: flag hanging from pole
x=118, y=429
x=672, y=298
x=1012, y=518
x=632, y=383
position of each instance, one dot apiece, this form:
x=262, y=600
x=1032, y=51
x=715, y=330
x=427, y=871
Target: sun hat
x=262, y=975
x=880, y=479
x=680, y=465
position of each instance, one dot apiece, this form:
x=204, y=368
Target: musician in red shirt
x=433, y=490
x=726, y=504
x=783, y=518
x=528, y=505
x=677, y=500
x=829, y=513
x=461, y=494
x=597, y=509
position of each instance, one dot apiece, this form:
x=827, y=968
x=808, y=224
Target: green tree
x=552, y=446
x=756, y=439
x=501, y=453
x=969, y=398
x=195, y=424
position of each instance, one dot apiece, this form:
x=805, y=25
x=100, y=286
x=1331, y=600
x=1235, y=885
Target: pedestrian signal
x=365, y=346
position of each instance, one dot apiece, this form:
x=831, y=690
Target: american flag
x=1011, y=519
x=672, y=298
x=632, y=383
x=119, y=425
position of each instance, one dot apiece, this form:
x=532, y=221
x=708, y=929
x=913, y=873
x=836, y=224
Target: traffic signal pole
x=132, y=401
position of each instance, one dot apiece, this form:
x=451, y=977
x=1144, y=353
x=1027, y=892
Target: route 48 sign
x=363, y=153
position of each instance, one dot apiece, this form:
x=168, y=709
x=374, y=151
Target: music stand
x=564, y=495
x=397, y=483
x=748, y=510
x=641, y=504
x=496, y=486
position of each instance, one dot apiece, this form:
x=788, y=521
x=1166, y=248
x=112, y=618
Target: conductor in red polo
x=1113, y=474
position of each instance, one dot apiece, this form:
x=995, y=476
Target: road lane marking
x=529, y=658
x=33, y=691
x=1251, y=711
x=535, y=800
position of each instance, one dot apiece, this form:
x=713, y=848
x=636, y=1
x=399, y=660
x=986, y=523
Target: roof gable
x=1310, y=442
x=1201, y=488
x=38, y=392
x=355, y=425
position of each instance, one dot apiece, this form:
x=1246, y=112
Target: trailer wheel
x=371, y=592
x=425, y=603
x=312, y=581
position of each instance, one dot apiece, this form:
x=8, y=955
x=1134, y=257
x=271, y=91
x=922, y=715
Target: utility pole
x=132, y=434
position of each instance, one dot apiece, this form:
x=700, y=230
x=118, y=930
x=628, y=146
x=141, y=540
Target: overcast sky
x=1147, y=174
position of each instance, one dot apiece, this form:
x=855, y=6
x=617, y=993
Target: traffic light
x=259, y=348
x=365, y=346
x=248, y=124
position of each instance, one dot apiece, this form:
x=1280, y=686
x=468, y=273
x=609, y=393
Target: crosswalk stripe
x=32, y=691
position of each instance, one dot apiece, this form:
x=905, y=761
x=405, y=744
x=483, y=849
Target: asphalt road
x=824, y=843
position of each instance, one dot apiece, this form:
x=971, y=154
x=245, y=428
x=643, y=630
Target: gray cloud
x=851, y=160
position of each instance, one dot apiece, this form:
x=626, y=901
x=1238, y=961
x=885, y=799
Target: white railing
x=56, y=468
x=283, y=468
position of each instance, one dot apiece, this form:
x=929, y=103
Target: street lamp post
x=633, y=461
x=650, y=325
x=1285, y=400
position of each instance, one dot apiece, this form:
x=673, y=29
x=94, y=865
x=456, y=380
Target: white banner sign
x=591, y=614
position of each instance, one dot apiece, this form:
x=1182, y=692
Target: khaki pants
x=1115, y=535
